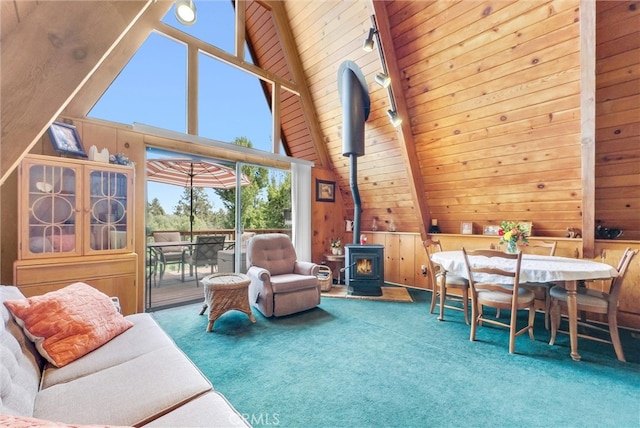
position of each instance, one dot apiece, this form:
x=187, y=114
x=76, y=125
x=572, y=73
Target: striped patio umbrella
x=192, y=173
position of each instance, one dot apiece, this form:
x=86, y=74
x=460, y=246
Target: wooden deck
x=171, y=291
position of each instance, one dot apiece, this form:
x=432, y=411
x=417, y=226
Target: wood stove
x=364, y=269
x=364, y=264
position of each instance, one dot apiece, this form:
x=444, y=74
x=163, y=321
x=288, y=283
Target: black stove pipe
x=356, y=105
x=357, y=203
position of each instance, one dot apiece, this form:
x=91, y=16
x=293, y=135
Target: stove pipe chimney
x=356, y=105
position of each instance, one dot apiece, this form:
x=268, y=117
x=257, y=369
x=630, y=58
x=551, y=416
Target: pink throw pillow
x=68, y=323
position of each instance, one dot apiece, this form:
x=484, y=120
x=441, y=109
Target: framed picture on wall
x=65, y=139
x=325, y=191
x=466, y=228
x=491, y=229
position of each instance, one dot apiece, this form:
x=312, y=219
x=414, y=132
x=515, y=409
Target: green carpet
x=360, y=363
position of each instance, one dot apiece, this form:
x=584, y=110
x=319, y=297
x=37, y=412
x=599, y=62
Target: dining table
x=563, y=271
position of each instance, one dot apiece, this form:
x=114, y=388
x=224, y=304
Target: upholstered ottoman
x=224, y=292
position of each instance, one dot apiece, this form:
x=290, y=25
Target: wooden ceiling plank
x=290, y=50
x=61, y=56
x=404, y=131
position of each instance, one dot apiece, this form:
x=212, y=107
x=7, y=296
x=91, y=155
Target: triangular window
x=152, y=89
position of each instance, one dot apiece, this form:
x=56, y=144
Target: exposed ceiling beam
x=49, y=57
x=295, y=67
x=405, y=134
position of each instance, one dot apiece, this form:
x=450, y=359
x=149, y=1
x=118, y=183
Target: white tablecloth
x=534, y=268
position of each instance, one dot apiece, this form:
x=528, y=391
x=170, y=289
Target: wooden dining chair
x=498, y=295
x=441, y=281
x=594, y=301
x=533, y=247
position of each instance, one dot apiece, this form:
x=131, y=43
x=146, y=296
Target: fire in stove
x=364, y=266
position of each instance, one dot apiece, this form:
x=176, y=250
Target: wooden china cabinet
x=75, y=223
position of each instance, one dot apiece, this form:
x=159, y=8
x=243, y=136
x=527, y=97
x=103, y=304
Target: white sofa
x=139, y=378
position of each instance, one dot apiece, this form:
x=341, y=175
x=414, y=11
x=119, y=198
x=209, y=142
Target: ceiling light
x=383, y=80
x=367, y=46
x=394, y=118
x=185, y=12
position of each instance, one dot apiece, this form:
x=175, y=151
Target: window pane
x=215, y=24
x=151, y=89
x=232, y=104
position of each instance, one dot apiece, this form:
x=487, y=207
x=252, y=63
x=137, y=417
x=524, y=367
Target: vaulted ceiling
x=492, y=94
x=299, y=42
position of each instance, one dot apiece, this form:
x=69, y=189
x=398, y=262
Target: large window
x=151, y=88
x=232, y=105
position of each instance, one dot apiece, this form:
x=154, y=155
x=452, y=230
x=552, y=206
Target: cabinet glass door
x=108, y=210
x=53, y=210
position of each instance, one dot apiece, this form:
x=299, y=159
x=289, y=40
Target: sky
x=231, y=102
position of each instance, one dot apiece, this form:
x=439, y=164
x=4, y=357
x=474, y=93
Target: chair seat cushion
x=455, y=281
x=592, y=298
x=292, y=282
x=495, y=296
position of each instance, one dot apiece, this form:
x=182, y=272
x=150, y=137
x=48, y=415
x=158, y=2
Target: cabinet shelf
x=75, y=222
x=74, y=207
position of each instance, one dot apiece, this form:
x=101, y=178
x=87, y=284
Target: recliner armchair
x=280, y=284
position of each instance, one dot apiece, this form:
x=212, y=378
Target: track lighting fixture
x=383, y=80
x=185, y=11
x=367, y=46
x=394, y=118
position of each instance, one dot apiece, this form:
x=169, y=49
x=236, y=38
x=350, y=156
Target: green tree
x=154, y=207
x=251, y=195
x=202, y=208
x=278, y=199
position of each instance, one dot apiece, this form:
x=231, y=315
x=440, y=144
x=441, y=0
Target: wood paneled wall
x=493, y=89
x=618, y=116
x=328, y=33
x=493, y=94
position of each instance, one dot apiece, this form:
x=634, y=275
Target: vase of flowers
x=512, y=233
x=336, y=246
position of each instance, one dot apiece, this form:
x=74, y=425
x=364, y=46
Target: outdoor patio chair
x=205, y=253
x=167, y=255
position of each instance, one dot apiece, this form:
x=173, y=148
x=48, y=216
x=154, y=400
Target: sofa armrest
x=306, y=268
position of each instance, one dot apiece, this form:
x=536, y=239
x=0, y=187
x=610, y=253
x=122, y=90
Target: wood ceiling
x=490, y=93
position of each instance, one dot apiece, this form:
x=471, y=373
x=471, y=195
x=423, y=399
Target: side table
x=338, y=259
x=224, y=292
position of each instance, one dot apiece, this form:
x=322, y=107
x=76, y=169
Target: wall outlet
x=423, y=269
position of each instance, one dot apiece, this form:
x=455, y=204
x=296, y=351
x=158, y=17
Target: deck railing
x=230, y=234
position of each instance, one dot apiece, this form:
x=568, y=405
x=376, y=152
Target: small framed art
x=65, y=139
x=491, y=229
x=466, y=228
x=325, y=191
